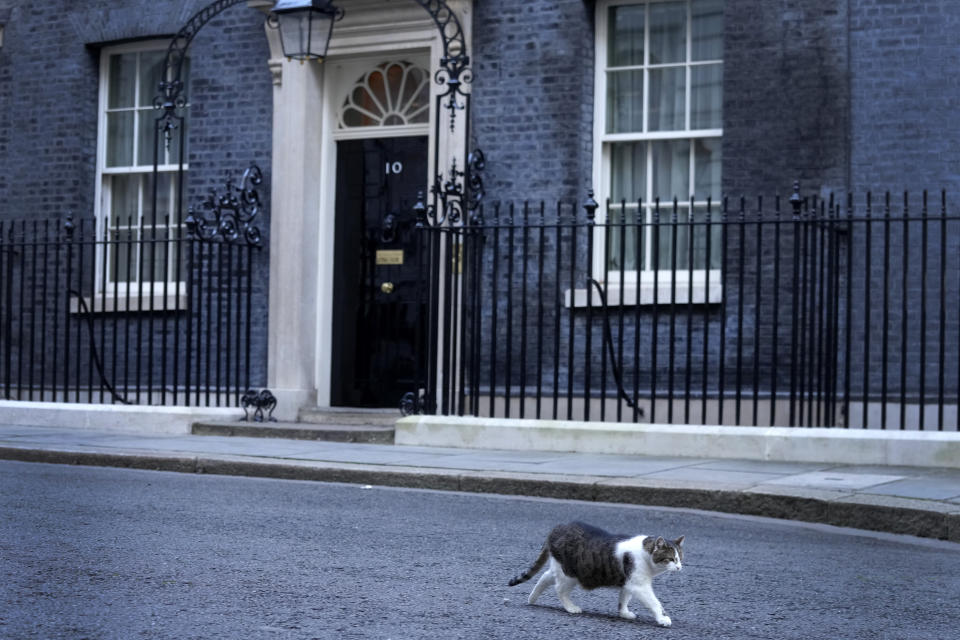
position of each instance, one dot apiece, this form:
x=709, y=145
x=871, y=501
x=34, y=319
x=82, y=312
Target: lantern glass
x=305, y=28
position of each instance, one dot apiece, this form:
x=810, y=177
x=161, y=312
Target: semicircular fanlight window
x=392, y=93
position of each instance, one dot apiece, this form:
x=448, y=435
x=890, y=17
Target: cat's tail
x=532, y=571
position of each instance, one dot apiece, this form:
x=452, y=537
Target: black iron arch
x=170, y=98
x=455, y=63
x=460, y=192
x=455, y=198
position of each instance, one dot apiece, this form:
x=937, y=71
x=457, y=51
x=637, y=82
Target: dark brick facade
x=49, y=89
x=533, y=97
x=786, y=96
x=904, y=85
x=49, y=75
x=842, y=95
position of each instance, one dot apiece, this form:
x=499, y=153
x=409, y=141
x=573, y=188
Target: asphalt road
x=110, y=553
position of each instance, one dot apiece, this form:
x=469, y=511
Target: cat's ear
x=660, y=543
x=679, y=541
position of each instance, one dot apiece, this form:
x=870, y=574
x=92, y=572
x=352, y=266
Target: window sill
x=667, y=293
x=109, y=303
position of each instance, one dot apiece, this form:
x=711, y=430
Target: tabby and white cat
x=591, y=557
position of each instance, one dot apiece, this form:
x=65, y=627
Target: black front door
x=374, y=359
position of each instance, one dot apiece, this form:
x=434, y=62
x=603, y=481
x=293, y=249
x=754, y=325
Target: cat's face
x=667, y=555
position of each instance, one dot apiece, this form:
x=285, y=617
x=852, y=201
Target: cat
x=591, y=557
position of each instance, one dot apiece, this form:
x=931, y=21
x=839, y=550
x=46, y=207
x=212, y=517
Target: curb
x=877, y=513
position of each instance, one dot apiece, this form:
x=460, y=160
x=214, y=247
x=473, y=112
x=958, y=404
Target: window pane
x=376, y=82
x=170, y=154
x=123, y=200
x=671, y=169
x=394, y=76
x=707, y=29
x=624, y=237
x=151, y=71
x=706, y=96
x=167, y=153
x=668, y=32
x=120, y=139
x=120, y=258
x=416, y=96
x=156, y=253
x=624, y=101
x=707, y=163
x=667, y=99
x=707, y=237
x=146, y=123
x=123, y=74
x=682, y=232
x=668, y=232
x=628, y=171
x=625, y=41
x=164, y=198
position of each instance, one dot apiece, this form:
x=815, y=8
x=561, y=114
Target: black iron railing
x=797, y=312
x=132, y=313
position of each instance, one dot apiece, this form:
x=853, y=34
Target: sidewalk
x=917, y=501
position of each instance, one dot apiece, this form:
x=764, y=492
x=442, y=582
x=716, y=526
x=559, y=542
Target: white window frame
x=690, y=284
x=114, y=296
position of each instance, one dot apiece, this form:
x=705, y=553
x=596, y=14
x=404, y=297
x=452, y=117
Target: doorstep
x=368, y=433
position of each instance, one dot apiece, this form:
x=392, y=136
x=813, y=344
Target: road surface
x=110, y=553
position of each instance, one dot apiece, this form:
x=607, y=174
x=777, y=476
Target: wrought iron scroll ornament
x=459, y=195
x=170, y=98
x=455, y=63
x=232, y=214
x=261, y=401
x=476, y=163
x=413, y=403
x=452, y=200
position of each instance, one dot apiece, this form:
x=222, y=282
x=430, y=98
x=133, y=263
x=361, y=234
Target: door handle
x=387, y=287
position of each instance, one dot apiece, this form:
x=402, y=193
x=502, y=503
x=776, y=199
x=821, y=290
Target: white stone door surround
x=306, y=98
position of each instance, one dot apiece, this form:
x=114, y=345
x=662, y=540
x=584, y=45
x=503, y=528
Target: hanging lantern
x=305, y=27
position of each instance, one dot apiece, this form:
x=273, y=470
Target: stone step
x=374, y=434
x=348, y=416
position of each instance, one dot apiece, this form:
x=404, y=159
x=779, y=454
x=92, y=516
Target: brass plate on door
x=389, y=256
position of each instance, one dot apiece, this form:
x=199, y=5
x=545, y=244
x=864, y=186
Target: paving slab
x=615, y=467
x=833, y=479
x=713, y=477
x=925, y=488
x=823, y=495
x=762, y=466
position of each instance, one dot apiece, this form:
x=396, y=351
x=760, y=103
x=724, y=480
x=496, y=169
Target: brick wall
x=786, y=96
x=48, y=106
x=905, y=85
x=49, y=84
x=533, y=97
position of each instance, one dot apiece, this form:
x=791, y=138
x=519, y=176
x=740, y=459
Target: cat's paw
x=573, y=609
x=664, y=621
x=627, y=614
